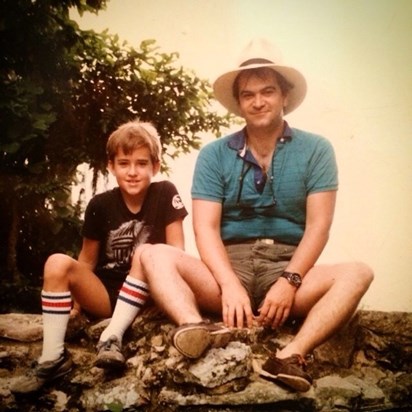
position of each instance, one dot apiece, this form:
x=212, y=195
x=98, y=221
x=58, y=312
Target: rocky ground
x=366, y=367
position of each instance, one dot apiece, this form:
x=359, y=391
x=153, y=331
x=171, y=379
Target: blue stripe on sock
x=130, y=302
x=54, y=312
x=58, y=297
x=135, y=286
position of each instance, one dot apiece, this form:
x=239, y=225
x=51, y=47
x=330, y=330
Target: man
x=263, y=204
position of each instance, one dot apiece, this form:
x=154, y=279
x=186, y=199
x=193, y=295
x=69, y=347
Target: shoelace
x=295, y=359
x=299, y=360
x=109, y=345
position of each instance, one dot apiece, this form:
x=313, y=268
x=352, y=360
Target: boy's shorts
x=112, y=280
x=258, y=266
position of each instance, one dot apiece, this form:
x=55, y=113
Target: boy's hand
x=75, y=312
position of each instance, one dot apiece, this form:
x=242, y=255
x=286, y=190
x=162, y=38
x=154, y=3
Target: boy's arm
x=89, y=253
x=175, y=235
x=87, y=257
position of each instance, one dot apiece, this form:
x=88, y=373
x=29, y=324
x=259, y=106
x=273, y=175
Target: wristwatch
x=293, y=278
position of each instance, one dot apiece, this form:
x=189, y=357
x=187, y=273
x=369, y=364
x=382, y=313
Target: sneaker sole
x=295, y=382
x=107, y=363
x=192, y=340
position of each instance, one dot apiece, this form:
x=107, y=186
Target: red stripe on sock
x=56, y=304
x=134, y=293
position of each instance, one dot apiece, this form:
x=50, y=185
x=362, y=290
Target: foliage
x=62, y=91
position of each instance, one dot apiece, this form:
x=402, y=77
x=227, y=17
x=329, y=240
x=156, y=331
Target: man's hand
x=277, y=304
x=236, y=306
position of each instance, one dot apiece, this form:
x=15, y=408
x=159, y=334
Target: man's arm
x=319, y=216
x=235, y=300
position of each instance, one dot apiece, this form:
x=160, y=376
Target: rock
x=365, y=367
x=217, y=367
x=21, y=327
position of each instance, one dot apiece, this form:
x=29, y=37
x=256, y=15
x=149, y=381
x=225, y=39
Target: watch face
x=295, y=279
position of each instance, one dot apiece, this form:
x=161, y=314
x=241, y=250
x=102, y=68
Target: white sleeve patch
x=177, y=202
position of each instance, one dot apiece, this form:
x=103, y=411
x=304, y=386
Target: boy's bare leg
x=63, y=273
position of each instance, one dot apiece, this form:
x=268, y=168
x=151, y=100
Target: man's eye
x=269, y=92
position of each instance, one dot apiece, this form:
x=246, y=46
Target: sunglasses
x=249, y=211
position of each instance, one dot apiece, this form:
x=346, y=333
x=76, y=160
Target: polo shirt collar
x=238, y=139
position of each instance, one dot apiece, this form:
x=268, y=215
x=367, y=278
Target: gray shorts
x=258, y=266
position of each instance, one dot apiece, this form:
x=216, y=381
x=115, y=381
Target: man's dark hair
x=262, y=73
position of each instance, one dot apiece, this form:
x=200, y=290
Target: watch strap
x=295, y=279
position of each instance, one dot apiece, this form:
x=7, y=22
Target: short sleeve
x=323, y=171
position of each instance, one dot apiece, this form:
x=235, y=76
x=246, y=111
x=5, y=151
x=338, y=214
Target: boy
x=117, y=224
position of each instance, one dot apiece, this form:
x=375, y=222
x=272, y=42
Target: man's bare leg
x=328, y=298
x=181, y=285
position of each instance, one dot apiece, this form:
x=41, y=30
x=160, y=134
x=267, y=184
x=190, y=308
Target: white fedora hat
x=260, y=53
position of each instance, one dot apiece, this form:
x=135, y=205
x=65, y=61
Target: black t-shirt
x=119, y=231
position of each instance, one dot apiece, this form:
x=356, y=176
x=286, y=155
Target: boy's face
x=133, y=171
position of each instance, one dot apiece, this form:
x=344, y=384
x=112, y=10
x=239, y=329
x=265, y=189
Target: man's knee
x=364, y=273
x=155, y=259
x=147, y=253
x=137, y=255
x=357, y=275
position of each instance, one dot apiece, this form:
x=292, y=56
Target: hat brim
x=223, y=87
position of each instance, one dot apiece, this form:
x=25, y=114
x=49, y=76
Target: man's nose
x=258, y=100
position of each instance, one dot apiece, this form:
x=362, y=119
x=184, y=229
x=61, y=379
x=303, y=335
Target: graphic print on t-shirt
x=122, y=242
x=177, y=202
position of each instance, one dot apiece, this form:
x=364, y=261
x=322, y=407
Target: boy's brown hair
x=133, y=135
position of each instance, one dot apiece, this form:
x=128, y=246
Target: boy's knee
x=57, y=265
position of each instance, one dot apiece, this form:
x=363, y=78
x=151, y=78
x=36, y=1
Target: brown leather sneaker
x=289, y=371
x=193, y=339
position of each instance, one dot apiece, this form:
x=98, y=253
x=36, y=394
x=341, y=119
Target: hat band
x=255, y=61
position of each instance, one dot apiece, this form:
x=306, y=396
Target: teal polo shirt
x=258, y=206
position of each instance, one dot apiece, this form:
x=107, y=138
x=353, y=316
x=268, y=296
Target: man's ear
x=285, y=101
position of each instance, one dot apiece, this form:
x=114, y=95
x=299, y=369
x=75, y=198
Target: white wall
x=357, y=58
